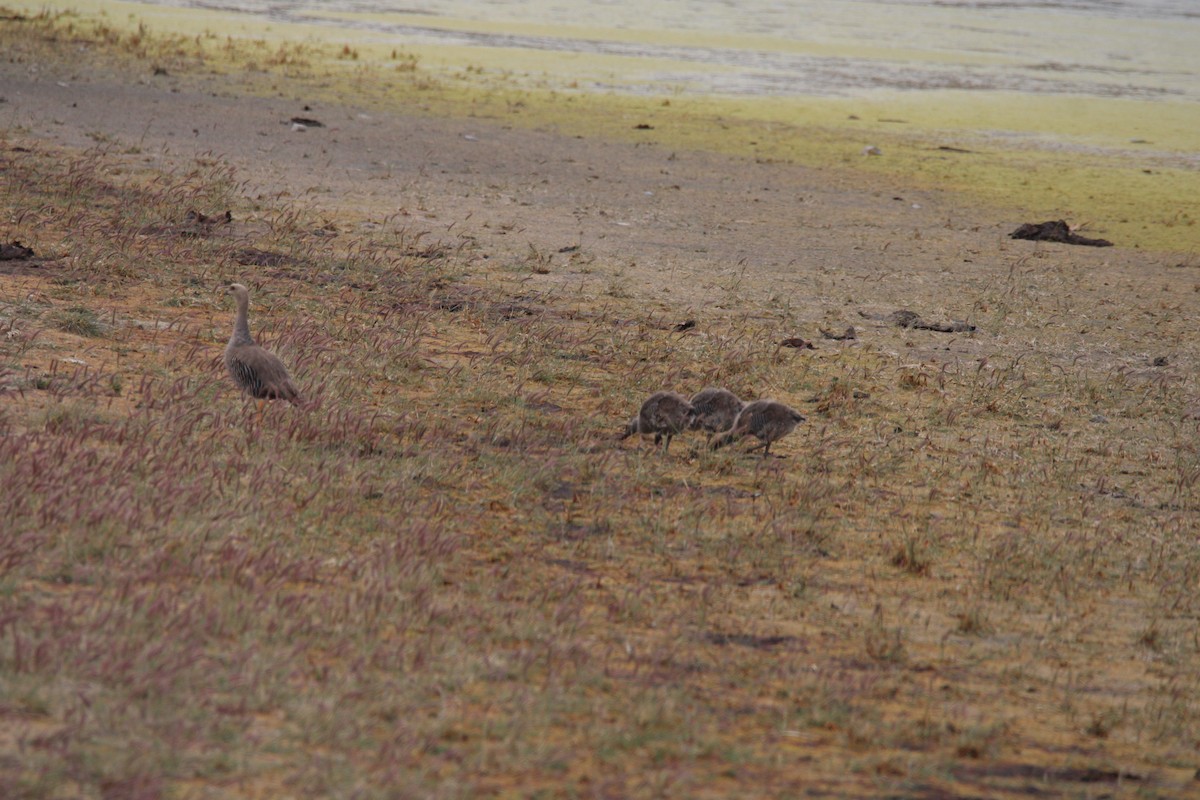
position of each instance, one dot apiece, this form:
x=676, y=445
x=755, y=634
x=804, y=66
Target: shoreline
x=1048, y=155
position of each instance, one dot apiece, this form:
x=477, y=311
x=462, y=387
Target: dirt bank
x=691, y=231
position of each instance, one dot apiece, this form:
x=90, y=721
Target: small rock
x=15, y=251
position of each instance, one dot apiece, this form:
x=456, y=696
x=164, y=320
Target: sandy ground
x=693, y=232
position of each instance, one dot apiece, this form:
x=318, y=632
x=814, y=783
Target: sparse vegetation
x=79, y=320
x=448, y=579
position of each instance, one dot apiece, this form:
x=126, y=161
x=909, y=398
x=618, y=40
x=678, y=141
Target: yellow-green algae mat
x=1125, y=169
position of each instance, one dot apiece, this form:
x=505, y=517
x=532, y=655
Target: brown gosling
x=716, y=409
x=664, y=414
x=256, y=372
x=766, y=420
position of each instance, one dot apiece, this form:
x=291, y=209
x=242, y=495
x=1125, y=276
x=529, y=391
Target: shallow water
x=1105, y=48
